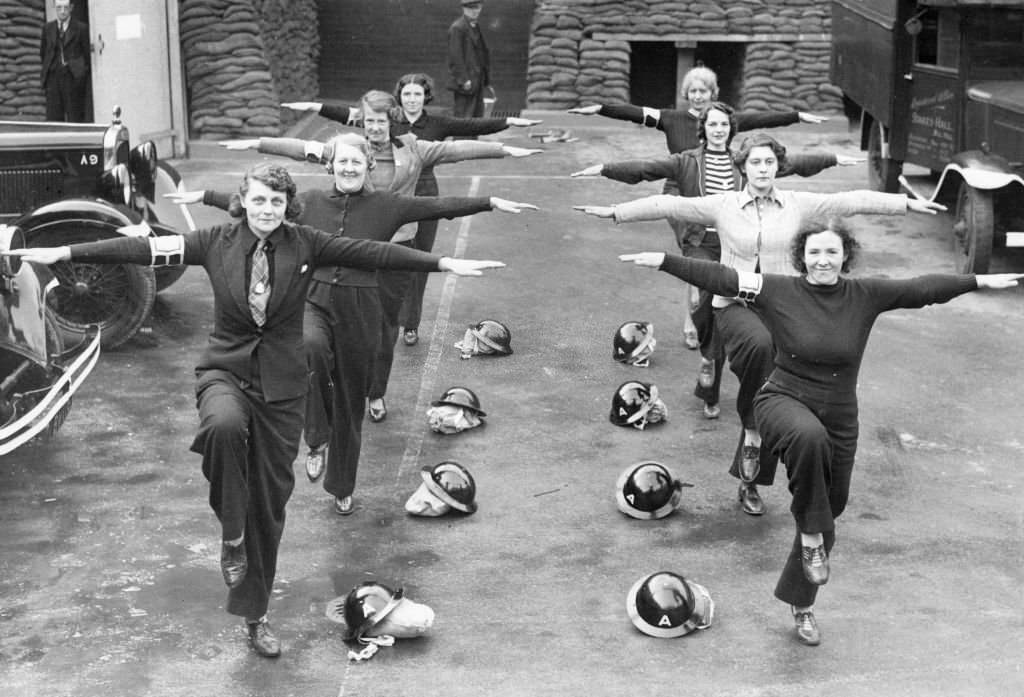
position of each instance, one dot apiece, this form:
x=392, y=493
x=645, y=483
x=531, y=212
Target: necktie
x=259, y=284
x=60, y=42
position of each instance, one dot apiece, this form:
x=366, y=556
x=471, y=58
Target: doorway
x=727, y=59
x=652, y=74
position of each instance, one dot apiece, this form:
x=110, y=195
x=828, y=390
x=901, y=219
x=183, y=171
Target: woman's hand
x=849, y=161
x=513, y=151
x=303, y=106
x=41, y=255
x=184, y=198
x=998, y=281
x=501, y=204
x=652, y=259
x=240, y=144
x=588, y=110
x=806, y=117
x=520, y=122
x=136, y=230
x=921, y=205
x=591, y=171
x=597, y=211
x=467, y=267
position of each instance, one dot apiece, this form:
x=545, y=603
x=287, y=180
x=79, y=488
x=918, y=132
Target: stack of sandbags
x=554, y=64
x=231, y=90
x=783, y=76
x=291, y=35
x=21, y=31
x=604, y=72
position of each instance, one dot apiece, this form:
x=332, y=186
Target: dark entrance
x=652, y=74
x=727, y=60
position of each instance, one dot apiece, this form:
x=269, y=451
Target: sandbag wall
x=242, y=59
x=21, y=26
x=568, y=67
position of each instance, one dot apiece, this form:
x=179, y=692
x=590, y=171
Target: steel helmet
x=365, y=606
x=452, y=483
x=460, y=397
x=647, y=490
x=633, y=343
x=664, y=604
x=631, y=402
x=494, y=335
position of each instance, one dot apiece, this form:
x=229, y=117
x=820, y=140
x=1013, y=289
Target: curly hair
x=274, y=177
x=702, y=121
x=835, y=225
x=760, y=140
x=421, y=79
x=700, y=74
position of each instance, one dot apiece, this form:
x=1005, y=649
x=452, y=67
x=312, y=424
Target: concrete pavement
x=110, y=583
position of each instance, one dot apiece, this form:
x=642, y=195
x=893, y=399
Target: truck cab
x=940, y=84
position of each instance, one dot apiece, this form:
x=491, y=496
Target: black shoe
x=411, y=337
x=806, y=627
x=815, y=563
x=316, y=461
x=262, y=639
x=751, y=500
x=233, y=563
x=344, y=505
x=378, y=414
x=750, y=463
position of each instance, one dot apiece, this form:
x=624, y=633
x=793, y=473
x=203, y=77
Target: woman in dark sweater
x=343, y=312
x=807, y=410
x=251, y=379
x=413, y=92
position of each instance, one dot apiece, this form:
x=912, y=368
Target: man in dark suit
x=469, y=61
x=64, y=51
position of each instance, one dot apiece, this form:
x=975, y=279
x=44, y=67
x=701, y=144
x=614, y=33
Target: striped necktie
x=259, y=284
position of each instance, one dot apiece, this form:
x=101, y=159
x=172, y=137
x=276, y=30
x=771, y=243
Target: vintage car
x=37, y=375
x=62, y=183
x=940, y=84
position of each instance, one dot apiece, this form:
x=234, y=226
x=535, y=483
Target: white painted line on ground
x=414, y=443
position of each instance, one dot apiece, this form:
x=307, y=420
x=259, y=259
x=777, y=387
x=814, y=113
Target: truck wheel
x=973, y=229
x=883, y=172
x=118, y=297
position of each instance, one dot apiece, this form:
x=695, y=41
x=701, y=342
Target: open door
x=136, y=65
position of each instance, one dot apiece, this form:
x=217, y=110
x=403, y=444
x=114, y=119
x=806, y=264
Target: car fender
x=978, y=170
x=93, y=214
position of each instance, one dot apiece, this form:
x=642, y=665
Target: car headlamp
x=117, y=184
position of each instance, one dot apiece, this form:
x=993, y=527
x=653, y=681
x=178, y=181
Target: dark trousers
x=748, y=347
x=392, y=286
x=248, y=447
x=817, y=439
x=426, y=234
x=65, y=96
x=340, y=330
x=468, y=105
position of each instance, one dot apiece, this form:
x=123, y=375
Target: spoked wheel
x=117, y=297
x=973, y=229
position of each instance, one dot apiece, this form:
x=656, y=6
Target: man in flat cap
x=469, y=61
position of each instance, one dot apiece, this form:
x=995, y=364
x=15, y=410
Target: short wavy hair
x=274, y=177
x=760, y=140
x=378, y=101
x=357, y=141
x=702, y=121
x=851, y=246
x=700, y=74
x=421, y=79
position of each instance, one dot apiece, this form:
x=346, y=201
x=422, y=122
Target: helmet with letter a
x=634, y=343
x=636, y=404
x=647, y=490
x=665, y=605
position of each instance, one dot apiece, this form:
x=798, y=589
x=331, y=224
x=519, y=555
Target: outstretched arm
x=697, y=209
x=644, y=116
x=710, y=275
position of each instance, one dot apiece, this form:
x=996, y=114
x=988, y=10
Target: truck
x=940, y=84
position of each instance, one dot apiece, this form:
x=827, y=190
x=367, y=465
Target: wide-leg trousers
x=341, y=328
x=392, y=287
x=248, y=446
x=750, y=352
x=817, y=439
x=426, y=234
